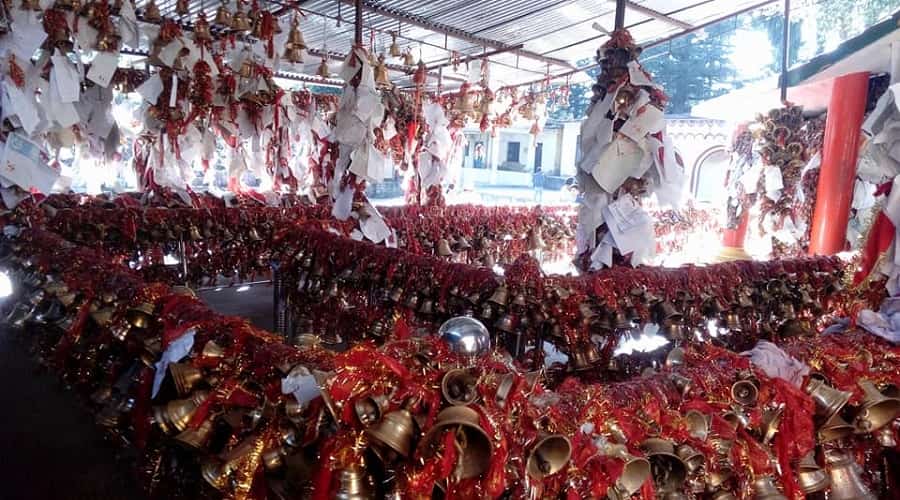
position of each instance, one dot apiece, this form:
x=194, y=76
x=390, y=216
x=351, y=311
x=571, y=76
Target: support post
x=278, y=301
x=620, y=14
x=358, y=20
x=733, y=241
x=785, y=49
x=837, y=175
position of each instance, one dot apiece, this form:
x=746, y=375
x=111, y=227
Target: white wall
x=568, y=146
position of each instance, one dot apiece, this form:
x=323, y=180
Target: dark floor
x=51, y=447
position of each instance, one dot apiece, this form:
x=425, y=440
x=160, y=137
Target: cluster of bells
x=48, y=303
x=98, y=18
x=458, y=248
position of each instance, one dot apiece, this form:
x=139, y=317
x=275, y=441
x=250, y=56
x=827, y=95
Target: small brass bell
x=828, y=400
x=697, y=424
x=140, y=316
x=507, y=322
x=844, y=474
x=396, y=431
x=293, y=55
x=239, y=21
x=295, y=36
x=771, y=421
x=182, y=7
x=636, y=471
x=877, y=410
x=223, y=16
x=212, y=350
x=764, y=489
x=886, y=437
x=194, y=233
x=584, y=356
x=692, y=458
x=382, y=76
x=548, y=456
x=500, y=296
x=151, y=12
x=810, y=476
x=464, y=106
x=185, y=377
x=459, y=387
x=176, y=414
x=682, y=384
x=744, y=392
x=675, y=357
x=833, y=429
x=368, y=409
x=394, y=51
x=408, y=59
x=536, y=239
x=197, y=439
x=669, y=471
x=253, y=234
x=473, y=444
x=323, y=71
x=354, y=483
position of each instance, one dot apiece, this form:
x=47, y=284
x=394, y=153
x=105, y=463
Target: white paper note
x=65, y=79
x=175, y=352
x=151, y=88
x=620, y=160
x=103, y=68
x=24, y=164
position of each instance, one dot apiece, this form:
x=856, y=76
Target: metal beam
x=477, y=56
x=620, y=14
x=655, y=14
x=337, y=56
x=785, y=49
x=422, y=22
x=358, y=23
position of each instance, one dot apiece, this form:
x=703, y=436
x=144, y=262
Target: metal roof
x=555, y=36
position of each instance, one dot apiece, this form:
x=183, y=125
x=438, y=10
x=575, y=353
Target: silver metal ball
x=466, y=335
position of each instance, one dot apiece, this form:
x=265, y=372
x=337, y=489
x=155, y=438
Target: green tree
x=838, y=19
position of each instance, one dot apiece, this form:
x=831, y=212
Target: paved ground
x=52, y=448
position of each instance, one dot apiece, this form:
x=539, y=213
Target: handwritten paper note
x=23, y=164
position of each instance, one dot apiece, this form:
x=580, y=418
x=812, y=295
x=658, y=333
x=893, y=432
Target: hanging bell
x=182, y=7
x=323, y=71
x=584, y=356
x=682, y=384
x=185, y=377
x=194, y=233
x=828, y=399
x=140, y=316
x=253, y=234
x=764, y=489
x=876, y=411
x=810, y=476
x=197, y=439
x=744, y=392
x=354, y=483
x=443, y=248
x=500, y=296
x=459, y=387
x=464, y=104
x=295, y=36
x=394, y=51
x=408, y=59
x=833, y=429
x=473, y=444
x=844, y=474
x=507, y=322
x=697, y=424
x=548, y=456
x=382, y=76
x=675, y=357
x=239, y=21
x=635, y=472
x=669, y=471
x=396, y=431
x=223, y=16
x=536, y=239
x=368, y=409
x=771, y=421
x=293, y=55
x=692, y=458
x=212, y=350
x=151, y=12
x=176, y=414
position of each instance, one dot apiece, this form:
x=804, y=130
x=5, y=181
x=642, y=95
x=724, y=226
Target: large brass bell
x=223, y=16
x=140, y=316
x=198, y=438
x=764, y=489
x=459, y=387
x=877, y=410
x=394, y=51
x=697, y=424
x=473, y=444
x=833, y=429
x=548, y=456
x=396, y=430
x=239, y=21
x=185, y=377
x=464, y=105
x=844, y=473
x=635, y=472
x=293, y=55
x=828, y=399
x=175, y=415
x=810, y=476
x=669, y=471
x=295, y=36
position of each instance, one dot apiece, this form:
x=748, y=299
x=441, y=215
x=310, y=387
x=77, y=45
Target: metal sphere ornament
x=466, y=336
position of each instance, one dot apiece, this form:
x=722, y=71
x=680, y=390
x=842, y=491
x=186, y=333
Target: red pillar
x=733, y=241
x=839, y=156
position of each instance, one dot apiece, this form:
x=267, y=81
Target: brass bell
x=408, y=58
x=669, y=472
x=216, y=471
x=223, y=15
x=382, y=76
x=473, y=444
x=396, y=431
x=462, y=244
x=500, y=296
x=197, y=439
x=212, y=350
x=182, y=7
x=844, y=472
x=635, y=472
x=810, y=476
x=443, y=248
x=744, y=392
x=833, y=429
x=507, y=322
x=733, y=321
x=141, y=315
x=176, y=414
x=584, y=356
x=273, y=458
x=151, y=12
x=764, y=489
x=736, y=417
x=464, y=104
x=354, y=483
x=682, y=384
x=877, y=410
x=697, y=424
x=194, y=233
x=239, y=20
x=323, y=71
x=886, y=437
x=368, y=409
x=675, y=357
x=536, y=239
x=185, y=377
x=548, y=456
x=692, y=458
x=828, y=400
x=293, y=55
x=771, y=421
x=253, y=234
x=394, y=51
x=459, y=387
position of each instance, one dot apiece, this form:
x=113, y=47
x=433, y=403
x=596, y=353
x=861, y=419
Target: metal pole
x=620, y=14
x=785, y=49
x=358, y=20
x=279, y=309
